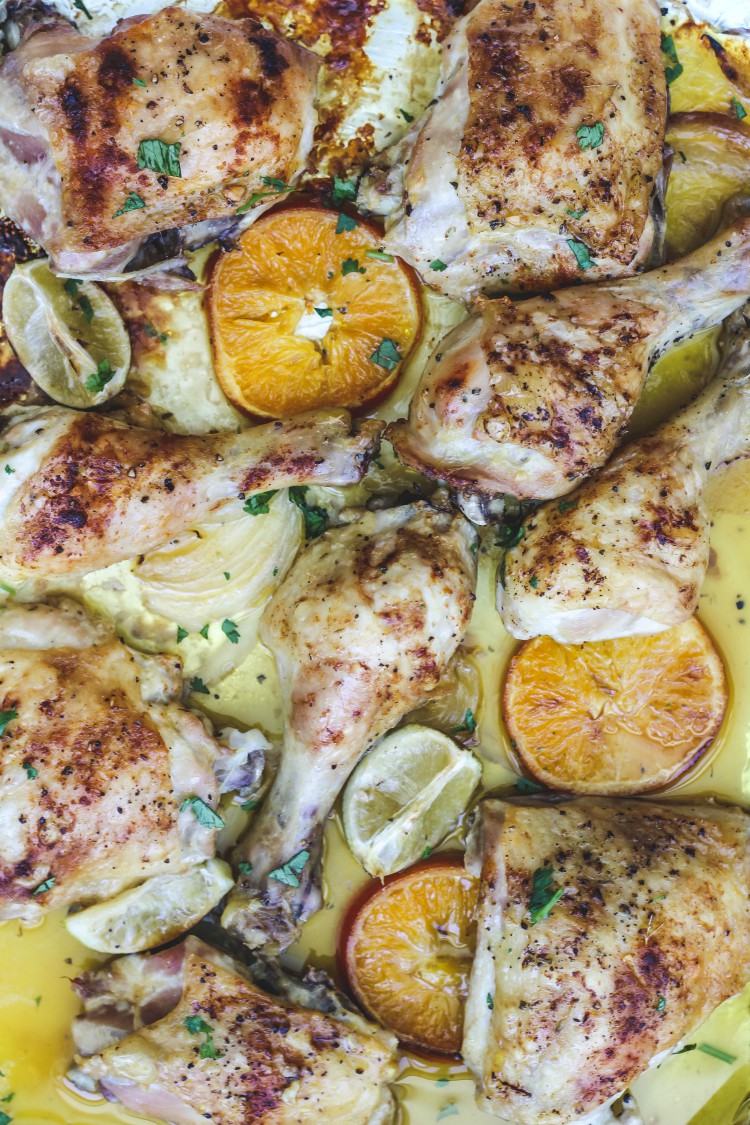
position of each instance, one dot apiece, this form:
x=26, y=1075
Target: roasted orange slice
x=309, y=311
x=406, y=950
x=611, y=717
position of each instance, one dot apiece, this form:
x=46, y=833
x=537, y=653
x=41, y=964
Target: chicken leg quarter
x=628, y=553
x=529, y=398
x=82, y=491
x=362, y=628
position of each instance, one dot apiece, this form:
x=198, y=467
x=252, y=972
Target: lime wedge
x=161, y=909
x=405, y=796
x=68, y=335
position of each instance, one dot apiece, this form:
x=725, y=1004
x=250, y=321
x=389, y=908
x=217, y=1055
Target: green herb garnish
x=673, y=72
x=257, y=505
x=198, y=1026
x=47, y=885
x=438, y=265
x=154, y=333
x=323, y=312
x=31, y=772
x=79, y=4
x=738, y=108
x=379, y=255
x=202, y=812
x=6, y=717
x=344, y=191
x=543, y=896
x=231, y=631
x=182, y=634
x=133, y=202
x=351, y=265
x=99, y=379
x=469, y=724
x=316, y=519
x=590, y=136
x=386, y=355
x=288, y=873
x=197, y=685
x=581, y=252
x=345, y=222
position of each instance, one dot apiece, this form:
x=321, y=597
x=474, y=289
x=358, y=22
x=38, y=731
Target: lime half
x=405, y=796
x=161, y=909
x=68, y=335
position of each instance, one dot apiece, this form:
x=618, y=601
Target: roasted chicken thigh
x=528, y=398
x=171, y=121
x=361, y=628
x=81, y=491
x=628, y=552
x=607, y=931
x=187, y=1036
x=97, y=758
x=541, y=156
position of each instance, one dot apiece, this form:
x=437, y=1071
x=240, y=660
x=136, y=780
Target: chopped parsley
x=182, y=634
x=9, y=470
x=344, y=191
x=202, y=812
x=351, y=265
x=257, y=505
x=204, y=632
x=590, y=136
x=316, y=519
x=469, y=724
x=227, y=575
x=323, y=312
x=31, y=772
x=4, y=1118
x=661, y=1004
x=386, y=354
x=490, y=1001
x=154, y=333
x=160, y=156
x=99, y=379
x=47, y=885
x=379, y=255
x=133, y=202
x=408, y=117
x=244, y=867
x=138, y=82
x=581, y=253
x=230, y=630
x=438, y=265
x=575, y=214
x=738, y=108
x=197, y=685
x=543, y=896
x=79, y=4
x=288, y=873
x=71, y=287
x=196, y=1025
x=345, y=222
x=566, y=505
x=6, y=717
x=275, y=187
x=509, y=535
x=533, y=582
x=672, y=72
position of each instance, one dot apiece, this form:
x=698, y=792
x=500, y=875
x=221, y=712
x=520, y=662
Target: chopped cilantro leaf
x=661, y=1004
x=351, y=265
x=386, y=355
x=379, y=255
x=469, y=724
x=79, y=4
x=154, y=333
x=133, y=202
x=202, y=812
x=438, y=265
x=230, y=630
x=581, y=253
x=4, y=1118
x=47, y=885
x=99, y=379
x=158, y=156
x=71, y=287
x=408, y=117
x=204, y=632
x=673, y=72
x=9, y=470
x=344, y=191
x=323, y=312
x=590, y=136
x=575, y=214
x=490, y=1001
x=244, y=867
x=196, y=1025
x=138, y=82
x=6, y=717
x=508, y=535
x=533, y=582
x=345, y=222
x=427, y=853
x=738, y=108
x=197, y=685
x=31, y=772
x=316, y=519
x=248, y=806
x=227, y=575
x=257, y=505
x=566, y=505
x=182, y=634
x=523, y=785
x=543, y=897
x=276, y=187
x=288, y=873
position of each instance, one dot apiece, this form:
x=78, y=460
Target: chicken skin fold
x=527, y=399
x=97, y=758
x=188, y=1036
x=83, y=490
x=362, y=627
x=607, y=931
x=540, y=161
x=628, y=552
x=171, y=121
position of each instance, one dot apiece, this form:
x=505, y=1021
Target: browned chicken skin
x=529, y=398
x=651, y=933
x=235, y=99
x=86, y=491
x=186, y=1036
x=361, y=628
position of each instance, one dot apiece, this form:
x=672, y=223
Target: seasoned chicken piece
x=171, y=121
x=362, y=627
x=96, y=760
x=187, y=1036
x=81, y=491
x=627, y=554
x=541, y=156
x=528, y=398
x=570, y=1000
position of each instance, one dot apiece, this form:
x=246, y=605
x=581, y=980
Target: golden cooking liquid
x=36, y=1001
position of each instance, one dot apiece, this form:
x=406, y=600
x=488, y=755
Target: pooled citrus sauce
x=38, y=1004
